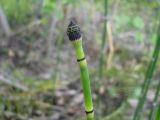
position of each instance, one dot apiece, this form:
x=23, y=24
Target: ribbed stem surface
x=74, y=35
x=85, y=81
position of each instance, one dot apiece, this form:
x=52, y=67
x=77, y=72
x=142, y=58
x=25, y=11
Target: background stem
x=154, y=104
x=148, y=77
x=101, y=60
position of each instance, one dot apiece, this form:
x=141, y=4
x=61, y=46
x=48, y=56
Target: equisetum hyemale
x=74, y=34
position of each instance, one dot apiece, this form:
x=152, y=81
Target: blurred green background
x=39, y=76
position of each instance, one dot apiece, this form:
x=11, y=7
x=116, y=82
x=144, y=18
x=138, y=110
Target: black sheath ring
x=79, y=60
x=88, y=112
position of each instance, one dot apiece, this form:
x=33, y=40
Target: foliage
x=17, y=11
x=50, y=5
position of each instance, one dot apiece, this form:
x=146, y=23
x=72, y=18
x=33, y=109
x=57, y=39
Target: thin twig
x=27, y=27
x=51, y=37
x=4, y=23
x=7, y=79
x=111, y=46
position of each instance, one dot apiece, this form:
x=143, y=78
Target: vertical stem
x=74, y=35
x=157, y=114
x=58, y=47
x=85, y=81
x=148, y=77
x=4, y=23
x=51, y=37
x=111, y=46
x=154, y=104
x=101, y=60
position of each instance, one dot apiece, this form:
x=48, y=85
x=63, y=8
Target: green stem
x=148, y=78
x=101, y=60
x=157, y=114
x=154, y=104
x=75, y=37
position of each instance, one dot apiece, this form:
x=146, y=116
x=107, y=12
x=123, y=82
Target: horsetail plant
x=148, y=77
x=155, y=100
x=74, y=34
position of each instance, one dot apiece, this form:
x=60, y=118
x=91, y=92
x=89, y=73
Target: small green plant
x=74, y=35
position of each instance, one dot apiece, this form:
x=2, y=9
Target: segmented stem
x=74, y=35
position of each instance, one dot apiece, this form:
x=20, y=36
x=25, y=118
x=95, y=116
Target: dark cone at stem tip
x=73, y=31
